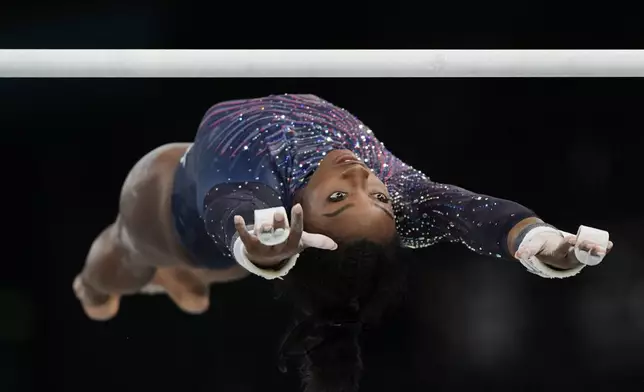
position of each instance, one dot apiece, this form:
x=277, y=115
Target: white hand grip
x=273, y=237
x=598, y=237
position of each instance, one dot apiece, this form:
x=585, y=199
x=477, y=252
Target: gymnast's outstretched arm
x=429, y=212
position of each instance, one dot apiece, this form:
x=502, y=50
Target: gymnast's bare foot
x=184, y=287
x=97, y=306
x=188, y=287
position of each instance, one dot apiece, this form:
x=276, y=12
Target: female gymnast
x=186, y=220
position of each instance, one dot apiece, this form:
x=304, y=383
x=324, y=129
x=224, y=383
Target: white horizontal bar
x=319, y=63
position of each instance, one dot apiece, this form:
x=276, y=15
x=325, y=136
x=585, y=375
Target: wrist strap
x=537, y=267
x=524, y=232
x=239, y=252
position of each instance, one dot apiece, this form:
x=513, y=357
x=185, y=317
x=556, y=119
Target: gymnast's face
x=346, y=201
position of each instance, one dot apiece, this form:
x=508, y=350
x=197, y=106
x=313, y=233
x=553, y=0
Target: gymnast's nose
x=357, y=174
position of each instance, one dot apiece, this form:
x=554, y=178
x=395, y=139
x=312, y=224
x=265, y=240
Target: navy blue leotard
x=256, y=153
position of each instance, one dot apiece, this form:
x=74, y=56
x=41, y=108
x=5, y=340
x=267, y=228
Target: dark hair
x=338, y=293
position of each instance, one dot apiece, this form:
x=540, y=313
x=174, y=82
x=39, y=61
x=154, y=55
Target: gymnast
x=215, y=210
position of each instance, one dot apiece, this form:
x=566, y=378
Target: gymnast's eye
x=381, y=197
x=337, y=196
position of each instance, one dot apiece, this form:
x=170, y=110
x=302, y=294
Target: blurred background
x=567, y=148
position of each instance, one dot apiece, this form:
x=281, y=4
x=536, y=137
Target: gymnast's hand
x=556, y=250
x=267, y=256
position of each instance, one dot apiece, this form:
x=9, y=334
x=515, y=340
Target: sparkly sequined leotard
x=253, y=154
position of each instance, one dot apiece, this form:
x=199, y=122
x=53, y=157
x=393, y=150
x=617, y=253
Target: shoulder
x=223, y=198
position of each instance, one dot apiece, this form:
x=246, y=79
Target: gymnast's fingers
x=297, y=226
x=592, y=248
x=279, y=221
x=246, y=237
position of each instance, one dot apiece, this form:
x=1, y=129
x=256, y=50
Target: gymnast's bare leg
x=140, y=247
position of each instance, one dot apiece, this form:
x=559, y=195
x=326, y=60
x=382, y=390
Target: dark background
x=567, y=148
x=319, y=25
